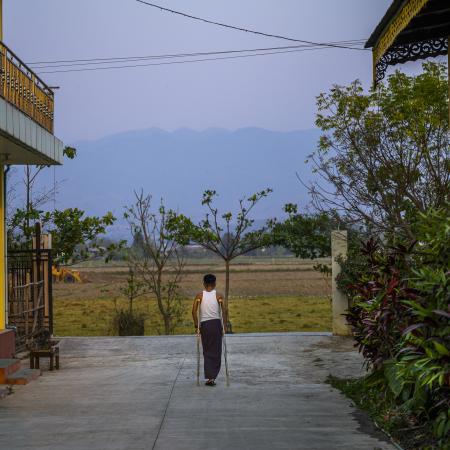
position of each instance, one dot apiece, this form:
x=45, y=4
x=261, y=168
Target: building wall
x=3, y=303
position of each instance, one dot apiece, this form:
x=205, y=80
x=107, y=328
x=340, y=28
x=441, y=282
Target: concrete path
x=140, y=394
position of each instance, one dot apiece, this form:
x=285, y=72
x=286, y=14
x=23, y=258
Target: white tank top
x=209, y=307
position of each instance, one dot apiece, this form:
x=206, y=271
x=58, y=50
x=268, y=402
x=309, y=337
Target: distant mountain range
x=178, y=166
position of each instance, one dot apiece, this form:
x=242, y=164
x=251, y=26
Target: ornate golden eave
x=408, y=11
x=410, y=30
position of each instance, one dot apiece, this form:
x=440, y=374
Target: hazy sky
x=275, y=92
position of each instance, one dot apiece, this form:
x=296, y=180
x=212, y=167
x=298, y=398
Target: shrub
x=422, y=365
x=400, y=319
x=378, y=315
x=127, y=323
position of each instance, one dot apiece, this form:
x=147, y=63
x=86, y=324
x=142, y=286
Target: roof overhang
x=410, y=30
x=23, y=141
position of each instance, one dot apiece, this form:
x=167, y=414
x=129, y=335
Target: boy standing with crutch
x=209, y=317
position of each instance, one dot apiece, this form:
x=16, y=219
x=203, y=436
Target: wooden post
x=46, y=245
x=44, y=241
x=339, y=299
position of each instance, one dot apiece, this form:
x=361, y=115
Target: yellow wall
x=2, y=252
x=2, y=223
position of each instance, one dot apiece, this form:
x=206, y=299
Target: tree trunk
x=164, y=313
x=227, y=326
x=162, y=310
x=166, y=324
x=131, y=287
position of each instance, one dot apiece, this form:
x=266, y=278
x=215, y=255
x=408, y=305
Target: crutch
x=224, y=344
x=198, y=347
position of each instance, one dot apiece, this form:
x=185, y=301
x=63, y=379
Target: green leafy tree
x=70, y=229
x=306, y=235
x=384, y=156
x=231, y=235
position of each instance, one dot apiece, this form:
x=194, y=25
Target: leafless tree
x=161, y=265
x=21, y=217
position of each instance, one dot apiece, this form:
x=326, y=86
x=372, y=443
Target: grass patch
x=402, y=427
x=92, y=317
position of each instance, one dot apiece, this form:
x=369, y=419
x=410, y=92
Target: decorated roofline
x=400, y=38
x=396, y=24
x=408, y=52
x=392, y=11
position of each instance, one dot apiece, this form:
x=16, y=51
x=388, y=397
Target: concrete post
x=339, y=299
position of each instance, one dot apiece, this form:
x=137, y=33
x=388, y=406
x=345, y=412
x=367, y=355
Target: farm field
x=266, y=296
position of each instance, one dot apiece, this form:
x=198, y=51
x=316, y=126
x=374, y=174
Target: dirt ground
x=266, y=296
x=290, y=277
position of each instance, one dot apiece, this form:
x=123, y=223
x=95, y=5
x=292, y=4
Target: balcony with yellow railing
x=21, y=87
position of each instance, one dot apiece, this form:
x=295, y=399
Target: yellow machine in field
x=65, y=275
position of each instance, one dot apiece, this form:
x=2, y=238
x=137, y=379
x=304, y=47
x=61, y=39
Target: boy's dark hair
x=209, y=279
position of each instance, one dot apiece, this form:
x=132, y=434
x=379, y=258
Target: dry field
x=266, y=295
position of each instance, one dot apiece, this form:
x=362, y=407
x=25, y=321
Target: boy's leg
x=211, y=332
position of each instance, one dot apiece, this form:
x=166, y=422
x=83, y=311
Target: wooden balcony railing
x=21, y=87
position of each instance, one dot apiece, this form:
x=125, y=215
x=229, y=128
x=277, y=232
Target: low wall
x=7, y=344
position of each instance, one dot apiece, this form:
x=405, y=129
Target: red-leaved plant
x=379, y=315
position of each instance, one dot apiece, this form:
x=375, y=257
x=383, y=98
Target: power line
x=246, y=30
x=179, y=54
x=118, y=60
x=180, y=62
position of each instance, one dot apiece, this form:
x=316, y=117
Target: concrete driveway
x=140, y=394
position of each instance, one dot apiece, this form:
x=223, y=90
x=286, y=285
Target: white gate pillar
x=340, y=305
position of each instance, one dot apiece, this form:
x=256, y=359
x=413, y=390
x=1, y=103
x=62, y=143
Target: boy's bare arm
x=195, y=306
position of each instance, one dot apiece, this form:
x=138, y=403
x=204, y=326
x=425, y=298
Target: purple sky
x=275, y=92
